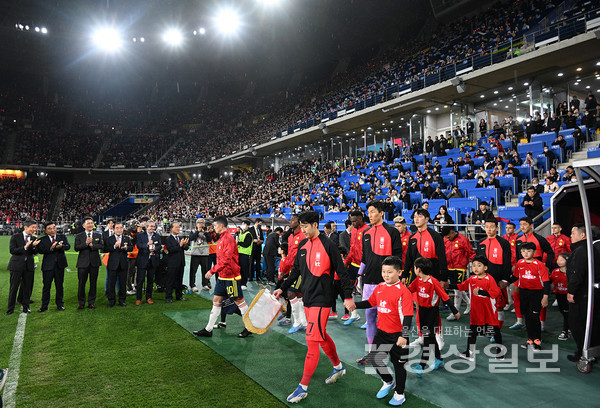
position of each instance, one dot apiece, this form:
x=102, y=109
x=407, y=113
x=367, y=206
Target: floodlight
x=107, y=39
x=37, y=29
x=228, y=21
x=202, y=31
x=44, y=30
x=173, y=37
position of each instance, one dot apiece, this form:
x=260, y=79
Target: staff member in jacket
x=53, y=246
x=199, y=243
x=23, y=247
x=244, y=245
x=272, y=244
x=89, y=244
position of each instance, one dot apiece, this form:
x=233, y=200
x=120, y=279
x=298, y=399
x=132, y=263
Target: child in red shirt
x=394, y=317
x=483, y=292
x=534, y=287
x=559, y=282
x=429, y=292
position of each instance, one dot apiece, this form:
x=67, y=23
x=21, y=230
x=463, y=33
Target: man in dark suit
x=53, y=246
x=330, y=232
x=148, y=258
x=23, y=247
x=176, y=247
x=258, y=237
x=270, y=252
x=89, y=244
x=117, y=246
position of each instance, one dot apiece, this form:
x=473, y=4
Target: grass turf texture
x=119, y=357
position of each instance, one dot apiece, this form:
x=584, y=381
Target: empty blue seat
x=351, y=195
x=530, y=147
x=489, y=194
x=508, y=183
x=415, y=198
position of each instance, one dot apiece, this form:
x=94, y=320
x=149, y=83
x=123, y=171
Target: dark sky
x=308, y=37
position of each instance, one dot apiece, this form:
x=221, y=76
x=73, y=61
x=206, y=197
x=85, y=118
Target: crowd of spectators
x=257, y=190
x=21, y=199
x=229, y=123
x=81, y=199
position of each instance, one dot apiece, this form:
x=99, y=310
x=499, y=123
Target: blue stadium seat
x=351, y=195
x=593, y=152
x=526, y=172
x=508, y=183
x=530, y=147
x=464, y=205
x=415, y=198
x=464, y=185
x=489, y=194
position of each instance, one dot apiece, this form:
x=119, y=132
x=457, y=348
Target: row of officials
x=115, y=242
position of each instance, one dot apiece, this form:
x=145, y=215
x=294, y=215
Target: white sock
x=457, y=298
x=519, y=320
x=243, y=308
x=467, y=299
x=304, y=387
x=501, y=316
x=338, y=367
x=295, y=312
x=215, y=313
x=354, y=314
x=302, y=314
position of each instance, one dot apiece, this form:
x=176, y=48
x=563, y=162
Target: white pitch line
x=14, y=364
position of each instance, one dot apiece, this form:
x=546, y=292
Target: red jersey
x=559, y=244
x=393, y=302
x=483, y=308
x=559, y=280
x=512, y=240
x=355, y=253
x=405, y=237
x=428, y=292
x=531, y=275
x=285, y=266
x=228, y=258
x=458, y=252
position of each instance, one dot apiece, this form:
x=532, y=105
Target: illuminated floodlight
x=202, y=30
x=228, y=21
x=107, y=39
x=173, y=37
x=142, y=39
x=44, y=30
x=27, y=27
x=37, y=29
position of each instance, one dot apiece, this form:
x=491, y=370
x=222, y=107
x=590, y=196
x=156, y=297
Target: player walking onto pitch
x=316, y=261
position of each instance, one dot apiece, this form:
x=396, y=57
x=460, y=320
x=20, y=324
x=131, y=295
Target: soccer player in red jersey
x=513, y=291
x=534, y=287
x=394, y=318
x=294, y=294
x=400, y=224
x=317, y=259
x=354, y=257
x=484, y=314
x=559, y=242
x=229, y=278
x=429, y=293
x=497, y=251
x=559, y=283
x=459, y=252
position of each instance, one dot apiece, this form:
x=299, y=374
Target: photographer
x=199, y=240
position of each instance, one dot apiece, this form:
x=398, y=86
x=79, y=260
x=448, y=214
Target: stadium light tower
x=173, y=37
x=228, y=21
x=107, y=39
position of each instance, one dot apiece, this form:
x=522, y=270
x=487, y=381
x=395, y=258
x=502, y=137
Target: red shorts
x=502, y=300
x=317, y=322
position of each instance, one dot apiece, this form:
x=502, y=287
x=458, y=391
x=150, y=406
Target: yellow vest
x=242, y=250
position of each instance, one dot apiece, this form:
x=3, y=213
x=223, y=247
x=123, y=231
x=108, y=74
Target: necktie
x=118, y=239
x=177, y=238
x=53, y=240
